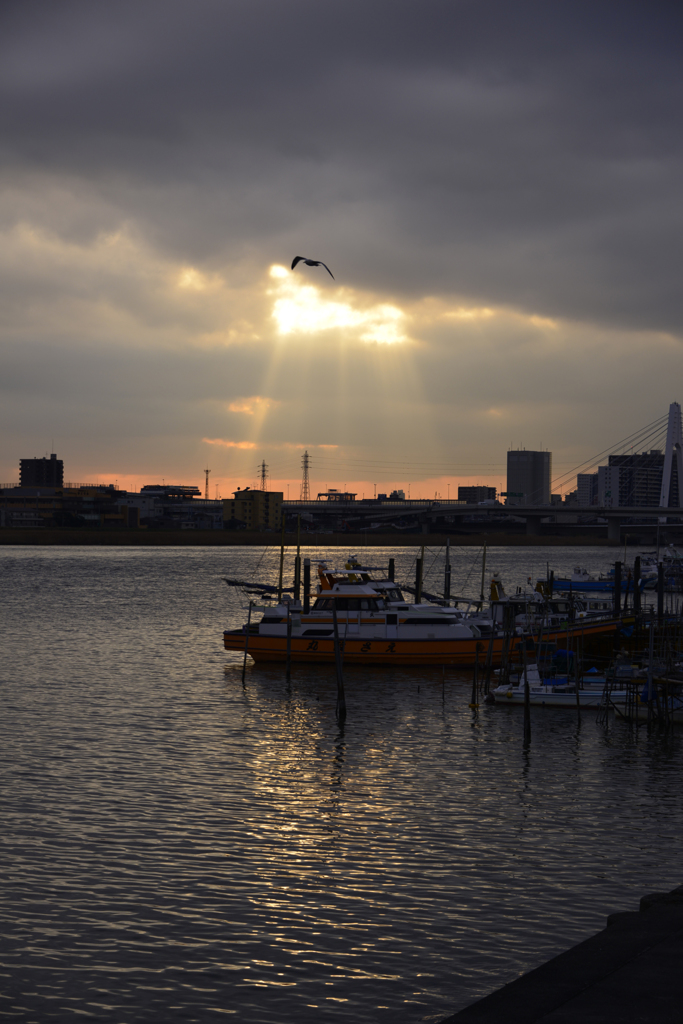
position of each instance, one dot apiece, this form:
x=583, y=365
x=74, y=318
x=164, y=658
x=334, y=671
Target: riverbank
x=626, y=974
x=244, y=538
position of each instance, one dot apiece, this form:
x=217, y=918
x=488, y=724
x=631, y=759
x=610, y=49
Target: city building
x=257, y=510
x=170, y=491
x=528, y=477
x=629, y=481
x=334, y=495
x=587, y=489
x=394, y=496
x=608, y=486
x=156, y=506
x=41, y=472
x=474, y=495
x=61, y=506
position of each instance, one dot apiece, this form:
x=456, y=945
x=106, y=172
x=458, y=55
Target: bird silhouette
x=311, y=263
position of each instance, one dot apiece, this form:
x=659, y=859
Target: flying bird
x=311, y=263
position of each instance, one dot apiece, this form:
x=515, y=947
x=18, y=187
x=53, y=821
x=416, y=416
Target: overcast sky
x=496, y=187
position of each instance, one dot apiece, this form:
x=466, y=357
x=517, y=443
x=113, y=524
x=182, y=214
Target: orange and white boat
x=375, y=625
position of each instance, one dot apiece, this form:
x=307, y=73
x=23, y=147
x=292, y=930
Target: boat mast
x=282, y=561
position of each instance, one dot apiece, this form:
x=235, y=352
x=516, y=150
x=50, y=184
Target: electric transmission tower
x=305, y=486
x=206, y=485
x=263, y=476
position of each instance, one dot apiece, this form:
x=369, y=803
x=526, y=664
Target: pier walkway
x=629, y=973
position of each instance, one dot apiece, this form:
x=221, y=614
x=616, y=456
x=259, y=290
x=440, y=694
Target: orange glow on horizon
x=442, y=488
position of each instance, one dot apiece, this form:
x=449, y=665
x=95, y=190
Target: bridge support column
x=613, y=530
x=533, y=525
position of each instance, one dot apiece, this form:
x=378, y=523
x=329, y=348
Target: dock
x=629, y=973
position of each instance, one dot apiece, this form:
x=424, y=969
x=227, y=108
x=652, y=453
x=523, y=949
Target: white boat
x=561, y=695
x=374, y=624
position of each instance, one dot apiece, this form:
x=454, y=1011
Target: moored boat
x=558, y=693
x=375, y=625
x=582, y=582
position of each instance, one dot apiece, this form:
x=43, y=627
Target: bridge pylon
x=673, y=459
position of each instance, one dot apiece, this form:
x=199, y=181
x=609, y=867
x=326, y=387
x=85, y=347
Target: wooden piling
x=282, y=560
x=649, y=672
x=307, y=585
x=576, y=682
x=489, y=661
x=297, y=562
x=341, y=698
x=474, y=702
x=636, y=586
x=246, y=646
x=527, y=703
x=616, y=603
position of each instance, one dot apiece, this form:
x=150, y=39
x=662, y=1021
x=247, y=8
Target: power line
x=432, y=466
x=636, y=438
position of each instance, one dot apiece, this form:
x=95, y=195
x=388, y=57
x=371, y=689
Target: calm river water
x=178, y=847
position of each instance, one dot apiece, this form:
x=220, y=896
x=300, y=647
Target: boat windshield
x=346, y=604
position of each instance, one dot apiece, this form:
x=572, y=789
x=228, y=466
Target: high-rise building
x=633, y=480
x=587, y=489
x=41, y=472
x=259, y=510
x=528, y=479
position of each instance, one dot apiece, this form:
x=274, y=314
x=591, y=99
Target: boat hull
x=592, y=586
x=591, y=699
x=461, y=651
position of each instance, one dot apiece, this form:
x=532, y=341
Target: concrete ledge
x=629, y=973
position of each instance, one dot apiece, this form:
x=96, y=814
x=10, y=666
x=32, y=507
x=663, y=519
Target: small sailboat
x=560, y=692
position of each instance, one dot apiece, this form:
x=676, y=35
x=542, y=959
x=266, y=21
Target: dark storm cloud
x=517, y=153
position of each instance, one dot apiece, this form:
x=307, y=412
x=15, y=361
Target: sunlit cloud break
x=193, y=280
x=300, y=308
x=228, y=444
x=257, y=403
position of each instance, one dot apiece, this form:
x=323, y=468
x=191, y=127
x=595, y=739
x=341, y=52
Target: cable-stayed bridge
x=661, y=437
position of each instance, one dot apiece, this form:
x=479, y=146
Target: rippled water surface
x=179, y=847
